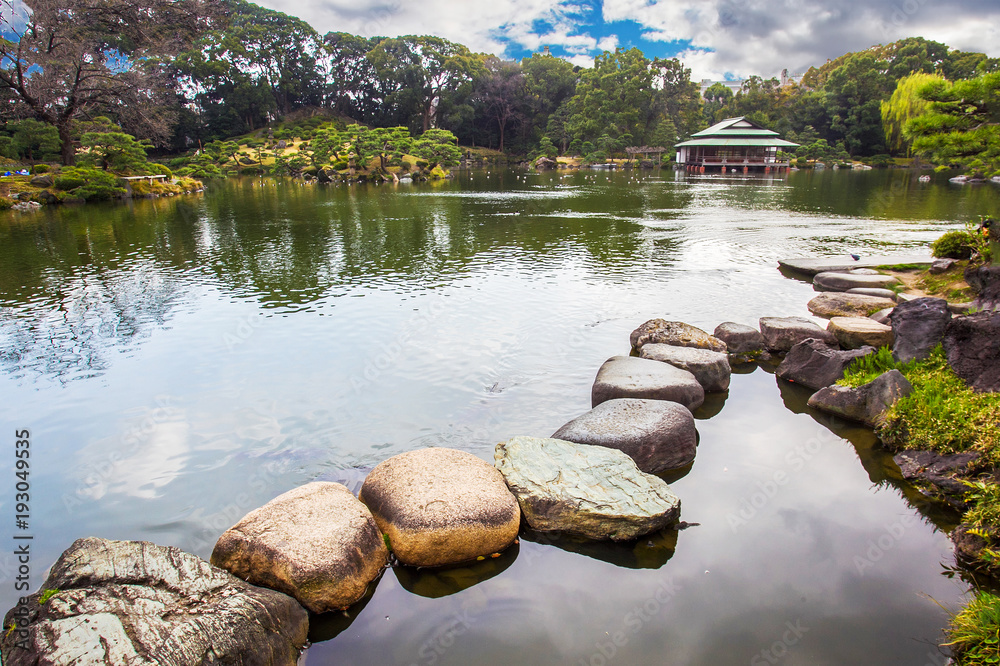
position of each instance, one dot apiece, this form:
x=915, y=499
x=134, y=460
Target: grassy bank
x=945, y=416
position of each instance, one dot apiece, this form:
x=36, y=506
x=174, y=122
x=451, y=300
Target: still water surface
x=180, y=362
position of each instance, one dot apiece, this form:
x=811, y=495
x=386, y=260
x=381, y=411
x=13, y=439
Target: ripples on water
x=182, y=361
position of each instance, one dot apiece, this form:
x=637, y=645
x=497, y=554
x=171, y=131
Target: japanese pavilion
x=734, y=143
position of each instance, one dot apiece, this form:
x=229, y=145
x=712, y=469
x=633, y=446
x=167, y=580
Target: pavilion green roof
x=736, y=132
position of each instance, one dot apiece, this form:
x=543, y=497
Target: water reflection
x=442, y=581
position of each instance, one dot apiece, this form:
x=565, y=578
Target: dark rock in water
x=133, y=602
x=942, y=265
x=867, y=403
x=845, y=281
x=710, y=368
x=783, y=333
x=324, y=176
x=677, y=333
x=441, y=506
x=590, y=490
x=658, y=435
x=740, y=338
x=972, y=344
x=985, y=281
x=918, y=326
x=631, y=377
x=944, y=472
x=317, y=543
x=816, y=365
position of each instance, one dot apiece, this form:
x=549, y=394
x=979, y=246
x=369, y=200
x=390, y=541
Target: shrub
x=40, y=169
x=406, y=166
x=89, y=183
x=422, y=164
x=256, y=170
x=5, y=203
x=340, y=165
x=953, y=245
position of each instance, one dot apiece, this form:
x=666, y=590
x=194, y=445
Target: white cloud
x=581, y=60
x=745, y=37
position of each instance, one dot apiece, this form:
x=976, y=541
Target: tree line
x=184, y=73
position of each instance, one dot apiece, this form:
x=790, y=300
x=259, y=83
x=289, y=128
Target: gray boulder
x=872, y=291
x=710, y=368
x=783, y=333
x=589, y=490
x=317, y=543
x=942, y=265
x=631, y=377
x=658, y=435
x=440, y=506
x=882, y=317
x=918, y=326
x=740, y=338
x=867, y=403
x=972, y=344
x=843, y=304
x=42, y=181
x=675, y=333
x=816, y=365
x=133, y=602
x=845, y=281
x=856, y=332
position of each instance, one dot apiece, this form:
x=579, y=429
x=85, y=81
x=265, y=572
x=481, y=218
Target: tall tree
x=904, y=105
x=962, y=123
x=614, y=98
x=549, y=83
x=502, y=93
x=71, y=59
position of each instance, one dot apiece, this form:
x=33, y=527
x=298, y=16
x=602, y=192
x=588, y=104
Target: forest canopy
x=178, y=74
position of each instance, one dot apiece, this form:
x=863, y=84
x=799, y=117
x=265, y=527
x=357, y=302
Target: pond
x=180, y=362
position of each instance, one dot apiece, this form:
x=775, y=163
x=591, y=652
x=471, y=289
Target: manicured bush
x=340, y=165
x=256, y=170
x=40, y=169
x=954, y=245
x=422, y=164
x=89, y=183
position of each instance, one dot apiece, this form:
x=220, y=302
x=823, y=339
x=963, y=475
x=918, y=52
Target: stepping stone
x=740, y=338
x=873, y=291
x=867, y=403
x=857, y=332
x=816, y=365
x=134, y=602
x=815, y=265
x=845, y=281
x=839, y=304
x=593, y=491
x=882, y=316
x=316, y=543
x=783, y=333
x=918, y=326
x=440, y=506
x=631, y=377
x=658, y=435
x=675, y=333
x=710, y=368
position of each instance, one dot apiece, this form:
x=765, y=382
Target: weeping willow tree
x=904, y=105
x=961, y=125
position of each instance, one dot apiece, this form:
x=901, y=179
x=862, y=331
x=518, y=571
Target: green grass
x=902, y=267
x=974, y=633
x=942, y=413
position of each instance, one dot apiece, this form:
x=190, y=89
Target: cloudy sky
x=716, y=38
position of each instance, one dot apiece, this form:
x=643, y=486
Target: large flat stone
x=710, y=368
x=594, y=491
x=317, y=543
x=845, y=281
x=675, y=333
x=136, y=603
x=658, y=435
x=842, y=304
x=856, y=332
x=631, y=377
x=873, y=291
x=816, y=365
x=440, y=506
x=845, y=262
x=783, y=333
